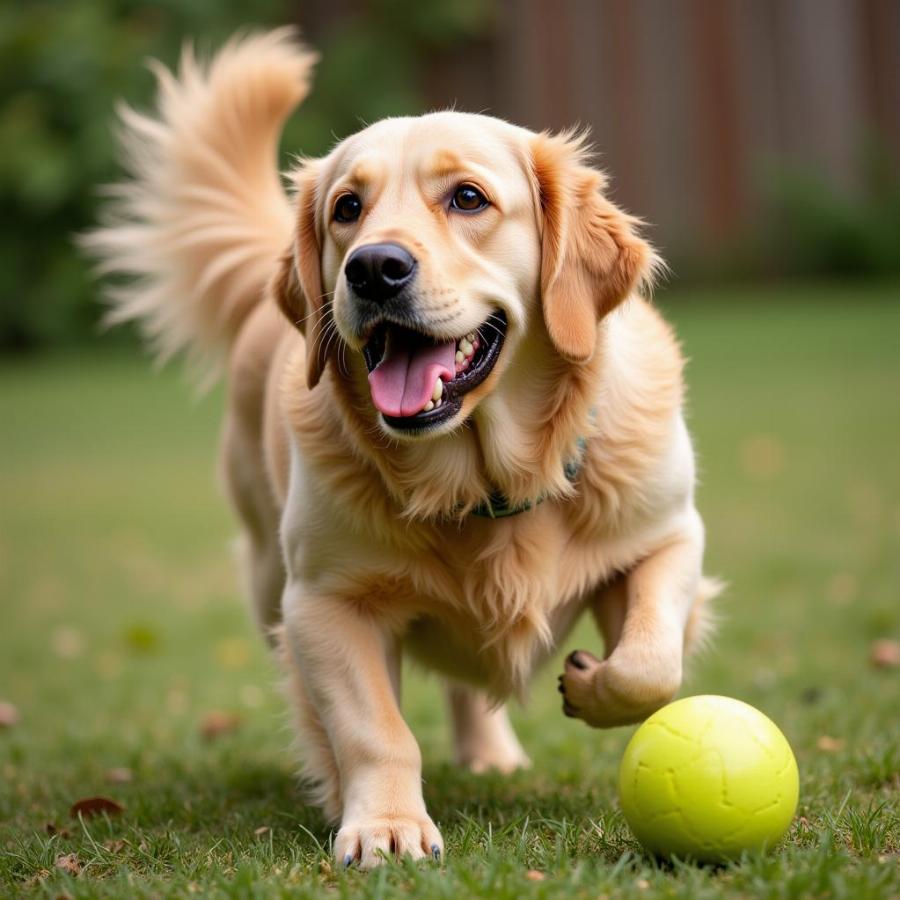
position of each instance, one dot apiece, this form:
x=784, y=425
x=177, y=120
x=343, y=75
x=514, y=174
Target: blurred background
x=760, y=139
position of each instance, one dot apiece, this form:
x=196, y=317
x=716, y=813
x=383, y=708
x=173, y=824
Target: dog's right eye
x=347, y=208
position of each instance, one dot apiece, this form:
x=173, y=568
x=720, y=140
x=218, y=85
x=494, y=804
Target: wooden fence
x=693, y=104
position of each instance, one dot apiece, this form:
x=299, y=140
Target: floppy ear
x=591, y=255
x=297, y=285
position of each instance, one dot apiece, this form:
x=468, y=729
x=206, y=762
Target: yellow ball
x=706, y=778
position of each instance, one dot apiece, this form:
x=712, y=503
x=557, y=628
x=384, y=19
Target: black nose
x=379, y=271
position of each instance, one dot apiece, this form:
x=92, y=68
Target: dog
x=454, y=423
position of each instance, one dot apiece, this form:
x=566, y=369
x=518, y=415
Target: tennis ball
x=706, y=778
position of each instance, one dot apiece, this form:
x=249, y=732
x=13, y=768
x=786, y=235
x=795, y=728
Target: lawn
x=124, y=633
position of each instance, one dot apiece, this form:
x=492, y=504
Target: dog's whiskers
x=496, y=330
x=321, y=310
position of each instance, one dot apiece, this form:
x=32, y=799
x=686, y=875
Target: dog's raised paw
x=576, y=684
x=606, y=693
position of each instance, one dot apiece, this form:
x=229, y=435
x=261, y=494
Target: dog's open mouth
x=417, y=381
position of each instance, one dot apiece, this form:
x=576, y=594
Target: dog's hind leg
x=483, y=735
x=259, y=550
x=245, y=463
x=263, y=572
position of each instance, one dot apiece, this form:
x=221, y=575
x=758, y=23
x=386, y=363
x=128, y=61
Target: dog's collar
x=497, y=505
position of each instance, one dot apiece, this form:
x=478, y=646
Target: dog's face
x=431, y=249
x=440, y=241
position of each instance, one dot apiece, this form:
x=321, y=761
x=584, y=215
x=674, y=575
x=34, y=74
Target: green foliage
x=819, y=229
x=64, y=65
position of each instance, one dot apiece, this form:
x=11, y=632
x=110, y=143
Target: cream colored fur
x=359, y=537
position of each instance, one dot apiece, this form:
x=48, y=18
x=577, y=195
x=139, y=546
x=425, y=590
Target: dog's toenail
x=575, y=659
x=436, y=852
x=348, y=860
x=561, y=688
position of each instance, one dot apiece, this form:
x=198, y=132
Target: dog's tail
x=198, y=226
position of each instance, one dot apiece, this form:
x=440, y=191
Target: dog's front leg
x=346, y=660
x=644, y=666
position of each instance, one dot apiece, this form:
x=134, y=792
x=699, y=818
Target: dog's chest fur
x=483, y=598
x=497, y=597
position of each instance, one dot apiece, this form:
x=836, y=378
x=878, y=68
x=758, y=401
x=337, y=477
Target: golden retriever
x=453, y=425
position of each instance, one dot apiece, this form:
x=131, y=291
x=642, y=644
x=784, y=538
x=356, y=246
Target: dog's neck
x=517, y=443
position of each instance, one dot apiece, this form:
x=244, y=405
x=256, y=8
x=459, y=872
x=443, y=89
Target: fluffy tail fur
x=203, y=218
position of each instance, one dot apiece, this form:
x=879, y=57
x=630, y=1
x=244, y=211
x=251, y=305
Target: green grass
x=122, y=626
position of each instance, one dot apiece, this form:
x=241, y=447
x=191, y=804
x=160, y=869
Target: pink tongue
x=402, y=383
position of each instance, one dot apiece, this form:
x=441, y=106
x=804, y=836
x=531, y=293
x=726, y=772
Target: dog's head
x=431, y=247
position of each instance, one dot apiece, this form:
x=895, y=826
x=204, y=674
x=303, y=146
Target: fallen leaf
x=119, y=775
x=67, y=642
x=69, y=863
x=263, y=829
x=642, y=884
x=37, y=878
x=95, y=806
x=116, y=846
x=216, y=723
x=63, y=896
x=885, y=654
x=9, y=715
x=534, y=875
x=829, y=744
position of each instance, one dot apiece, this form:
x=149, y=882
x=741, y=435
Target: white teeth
x=460, y=356
x=438, y=390
x=466, y=347
x=470, y=337
x=429, y=406
x=437, y=403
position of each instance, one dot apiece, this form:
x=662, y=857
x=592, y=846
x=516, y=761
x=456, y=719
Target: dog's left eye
x=468, y=199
